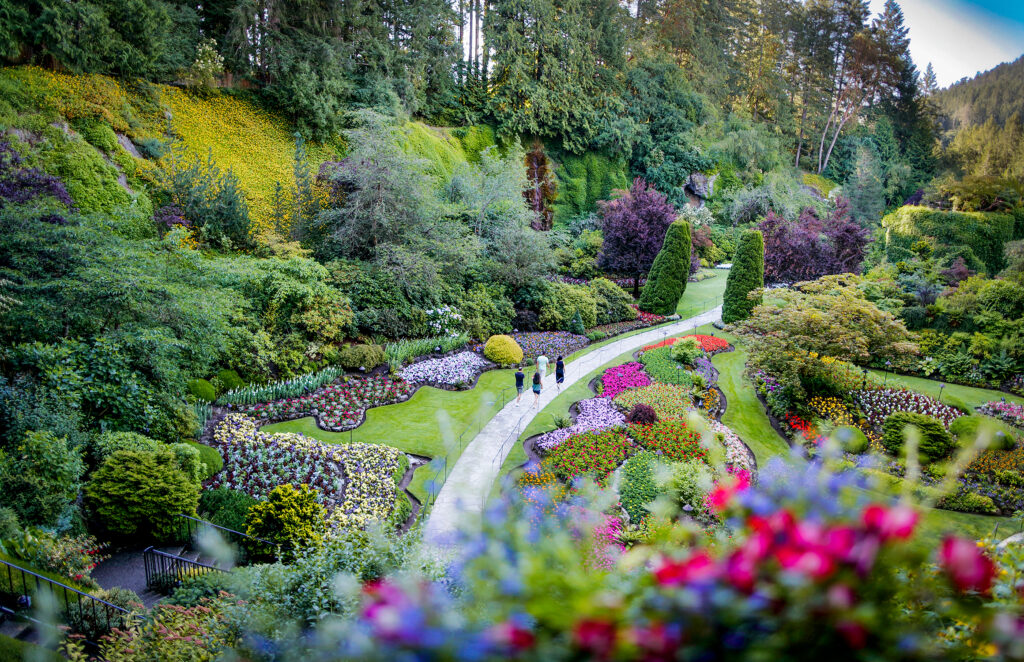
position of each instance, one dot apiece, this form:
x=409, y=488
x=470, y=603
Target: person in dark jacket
x=536, y=388
x=520, y=380
x=559, y=372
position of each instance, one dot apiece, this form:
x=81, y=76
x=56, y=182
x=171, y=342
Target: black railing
x=165, y=572
x=248, y=546
x=86, y=614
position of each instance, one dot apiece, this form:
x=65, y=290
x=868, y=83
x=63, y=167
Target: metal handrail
x=161, y=564
x=199, y=521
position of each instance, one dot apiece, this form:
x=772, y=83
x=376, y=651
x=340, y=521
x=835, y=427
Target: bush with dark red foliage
x=525, y=320
x=642, y=414
x=810, y=247
x=634, y=227
x=170, y=215
x=19, y=185
x=956, y=272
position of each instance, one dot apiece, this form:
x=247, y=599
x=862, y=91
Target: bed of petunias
x=355, y=482
x=594, y=414
x=453, y=370
x=337, y=406
x=710, y=344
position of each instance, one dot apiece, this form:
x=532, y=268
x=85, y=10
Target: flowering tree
x=634, y=227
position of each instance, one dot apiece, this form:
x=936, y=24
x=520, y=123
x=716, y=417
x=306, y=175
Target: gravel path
x=470, y=480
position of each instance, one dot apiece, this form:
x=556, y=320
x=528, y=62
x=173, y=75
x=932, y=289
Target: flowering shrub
x=594, y=414
x=805, y=429
x=650, y=319
x=667, y=400
x=1007, y=411
x=73, y=557
x=593, y=453
x=454, y=370
x=355, y=482
x=703, y=367
x=338, y=406
x=444, y=321
x=673, y=440
x=878, y=404
x=619, y=378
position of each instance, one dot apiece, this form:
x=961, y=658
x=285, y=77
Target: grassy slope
x=703, y=296
x=965, y=397
x=13, y=650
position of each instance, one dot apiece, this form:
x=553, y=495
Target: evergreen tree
x=667, y=279
x=746, y=275
x=865, y=188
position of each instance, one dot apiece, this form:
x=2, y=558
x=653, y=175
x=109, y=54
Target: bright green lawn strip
x=965, y=397
x=415, y=426
x=703, y=296
x=13, y=650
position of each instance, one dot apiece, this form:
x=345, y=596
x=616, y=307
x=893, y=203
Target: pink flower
x=897, y=522
x=511, y=636
x=698, y=568
x=741, y=570
x=811, y=562
x=967, y=566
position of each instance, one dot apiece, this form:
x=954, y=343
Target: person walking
x=559, y=372
x=536, y=388
x=520, y=380
x=542, y=366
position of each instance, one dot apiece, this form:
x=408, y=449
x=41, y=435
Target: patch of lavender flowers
x=594, y=414
x=461, y=368
x=703, y=366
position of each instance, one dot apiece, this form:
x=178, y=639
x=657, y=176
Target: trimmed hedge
x=202, y=390
x=354, y=357
x=210, y=457
x=853, y=440
x=985, y=233
x=503, y=350
x=666, y=281
x=746, y=275
x=965, y=431
x=935, y=444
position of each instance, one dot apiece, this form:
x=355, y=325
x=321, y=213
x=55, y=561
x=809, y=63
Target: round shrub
x=852, y=439
x=935, y=444
x=968, y=502
x=290, y=518
x=226, y=507
x=642, y=414
x=202, y=390
x=230, y=379
x=560, y=304
x=189, y=461
x=354, y=357
x=746, y=275
x=687, y=350
x=139, y=494
x=967, y=428
x=503, y=350
x=667, y=278
x=210, y=457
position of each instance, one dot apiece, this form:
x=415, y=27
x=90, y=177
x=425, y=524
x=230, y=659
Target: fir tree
x=746, y=275
x=666, y=281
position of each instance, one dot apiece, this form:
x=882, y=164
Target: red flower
x=967, y=566
x=699, y=567
x=595, y=636
x=897, y=522
x=512, y=636
x=656, y=642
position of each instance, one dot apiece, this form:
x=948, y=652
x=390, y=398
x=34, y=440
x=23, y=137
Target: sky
x=962, y=37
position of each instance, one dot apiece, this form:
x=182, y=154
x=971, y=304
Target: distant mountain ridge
x=995, y=94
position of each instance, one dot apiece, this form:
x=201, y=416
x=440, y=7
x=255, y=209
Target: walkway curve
x=470, y=480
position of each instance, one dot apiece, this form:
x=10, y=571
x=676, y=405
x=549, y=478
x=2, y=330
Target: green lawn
x=703, y=296
x=965, y=397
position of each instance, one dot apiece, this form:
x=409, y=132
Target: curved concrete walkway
x=469, y=481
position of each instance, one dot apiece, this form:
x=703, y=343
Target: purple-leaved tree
x=634, y=227
x=810, y=247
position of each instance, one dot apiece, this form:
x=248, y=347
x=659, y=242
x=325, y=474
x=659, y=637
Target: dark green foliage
x=139, y=495
x=39, y=477
x=638, y=487
x=983, y=232
x=202, y=390
x=746, y=275
x=974, y=101
x=561, y=302
x=210, y=457
x=968, y=502
x=576, y=325
x=230, y=379
x=94, y=623
x=613, y=302
x=486, y=311
x=226, y=507
x=402, y=509
x=667, y=278
x=935, y=442
x=967, y=429
x=852, y=439
x=584, y=180
x=356, y=357
x=210, y=199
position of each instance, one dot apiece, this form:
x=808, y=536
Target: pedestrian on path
x=542, y=366
x=536, y=388
x=520, y=380
x=559, y=372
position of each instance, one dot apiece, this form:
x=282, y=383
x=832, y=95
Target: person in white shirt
x=542, y=366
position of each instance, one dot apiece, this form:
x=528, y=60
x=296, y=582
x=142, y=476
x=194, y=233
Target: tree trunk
x=636, y=285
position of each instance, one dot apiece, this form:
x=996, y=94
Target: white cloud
x=959, y=38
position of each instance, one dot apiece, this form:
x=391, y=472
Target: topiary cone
x=667, y=278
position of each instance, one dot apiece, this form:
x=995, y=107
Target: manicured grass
x=13, y=650
x=703, y=296
x=429, y=423
x=965, y=397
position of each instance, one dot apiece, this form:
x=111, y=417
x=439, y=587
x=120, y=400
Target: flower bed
x=673, y=440
x=703, y=367
x=620, y=378
x=667, y=400
x=659, y=364
x=710, y=400
x=878, y=404
x=455, y=370
x=355, y=482
x=338, y=406
x=710, y=344
x=649, y=319
x=548, y=343
x=804, y=429
x=618, y=328
x=594, y=453
x=594, y=414
x=736, y=452
x=1006, y=411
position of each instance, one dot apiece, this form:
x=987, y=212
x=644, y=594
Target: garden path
x=469, y=481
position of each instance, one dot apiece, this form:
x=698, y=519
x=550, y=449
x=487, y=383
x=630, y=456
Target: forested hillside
x=995, y=95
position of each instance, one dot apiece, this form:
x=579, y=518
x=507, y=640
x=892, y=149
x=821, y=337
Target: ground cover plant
x=1009, y=412
x=339, y=406
x=594, y=453
x=454, y=370
x=878, y=404
x=594, y=414
x=548, y=343
x=667, y=400
x=620, y=378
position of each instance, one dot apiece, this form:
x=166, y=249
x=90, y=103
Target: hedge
x=935, y=442
x=746, y=275
x=583, y=180
x=965, y=430
x=985, y=233
x=666, y=281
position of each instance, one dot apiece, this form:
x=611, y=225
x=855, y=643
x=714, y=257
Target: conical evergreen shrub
x=667, y=278
x=746, y=275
